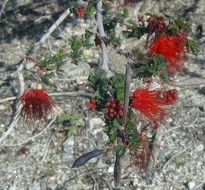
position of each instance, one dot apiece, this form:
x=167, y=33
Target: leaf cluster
x=134, y=30
x=71, y=123
x=106, y=88
x=153, y=66
x=178, y=25
x=54, y=62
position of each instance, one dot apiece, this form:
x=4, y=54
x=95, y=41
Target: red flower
x=172, y=49
x=92, y=104
x=80, y=11
x=37, y=104
x=149, y=103
x=170, y=96
x=156, y=25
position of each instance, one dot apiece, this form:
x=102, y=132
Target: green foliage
x=58, y=58
x=90, y=10
x=54, y=62
x=120, y=149
x=117, y=82
x=134, y=30
x=135, y=52
x=193, y=46
x=76, y=52
x=125, y=13
x=71, y=123
x=178, y=25
x=86, y=39
x=151, y=67
x=100, y=84
x=45, y=78
x=115, y=40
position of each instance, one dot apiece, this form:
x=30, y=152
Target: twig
x=156, y=136
x=21, y=79
x=46, y=148
x=117, y=171
x=32, y=138
x=12, y=125
x=100, y=28
x=172, y=158
x=3, y=7
x=51, y=29
x=16, y=115
x=126, y=93
x=56, y=94
x=72, y=94
x=117, y=167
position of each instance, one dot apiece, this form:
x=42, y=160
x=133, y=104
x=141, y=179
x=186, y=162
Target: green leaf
x=120, y=149
x=90, y=10
x=125, y=13
x=75, y=42
x=120, y=94
x=193, y=46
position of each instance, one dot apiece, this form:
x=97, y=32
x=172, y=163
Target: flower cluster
x=37, y=104
x=150, y=102
x=172, y=48
x=92, y=104
x=80, y=11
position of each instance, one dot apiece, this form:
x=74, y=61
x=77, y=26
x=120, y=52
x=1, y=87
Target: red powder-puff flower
x=172, y=48
x=80, y=11
x=149, y=103
x=37, y=104
x=92, y=104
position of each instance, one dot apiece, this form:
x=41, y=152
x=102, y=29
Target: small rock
x=35, y=186
x=200, y=148
x=68, y=145
x=191, y=185
x=12, y=188
x=135, y=182
x=2, y=107
x=95, y=123
x=110, y=170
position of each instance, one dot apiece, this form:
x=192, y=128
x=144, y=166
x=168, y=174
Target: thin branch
x=21, y=79
x=126, y=93
x=17, y=113
x=3, y=7
x=56, y=94
x=117, y=171
x=51, y=30
x=12, y=125
x=100, y=28
x=32, y=138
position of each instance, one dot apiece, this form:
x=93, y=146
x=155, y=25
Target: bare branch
x=51, y=29
x=100, y=28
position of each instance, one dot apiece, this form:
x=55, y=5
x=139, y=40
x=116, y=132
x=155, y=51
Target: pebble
x=12, y=188
x=200, y=148
x=110, y=170
x=191, y=185
x=68, y=145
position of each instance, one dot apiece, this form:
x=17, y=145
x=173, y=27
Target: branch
x=56, y=94
x=117, y=171
x=3, y=7
x=32, y=138
x=51, y=30
x=100, y=28
x=126, y=93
